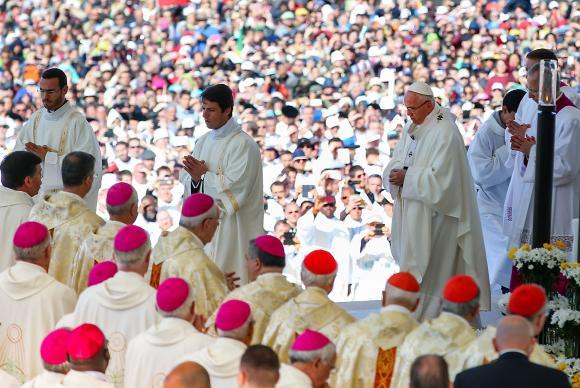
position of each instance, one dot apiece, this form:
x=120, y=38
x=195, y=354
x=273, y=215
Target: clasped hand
x=195, y=168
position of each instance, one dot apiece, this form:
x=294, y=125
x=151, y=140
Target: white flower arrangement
x=556, y=349
x=503, y=301
x=571, y=271
x=570, y=366
x=558, y=302
x=562, y=316
x=549, y=256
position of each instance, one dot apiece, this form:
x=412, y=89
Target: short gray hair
x=194, y=222
x=461, y=309
x=182, y=311
x=396, y=295
x=32, y=253
x=312, y=280
x=63, y=368
x=129, y=259
x=240, y=333
x=123, y=208
x=325, y=354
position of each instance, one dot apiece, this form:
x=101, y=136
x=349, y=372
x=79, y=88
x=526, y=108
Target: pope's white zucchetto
x=420, y=88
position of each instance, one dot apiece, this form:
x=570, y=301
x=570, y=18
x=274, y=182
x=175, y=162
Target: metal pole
x=544, y=175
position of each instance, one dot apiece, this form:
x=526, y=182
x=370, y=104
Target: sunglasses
x=329, y=205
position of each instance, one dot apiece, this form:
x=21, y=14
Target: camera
x=288, y=238
x=379, y=229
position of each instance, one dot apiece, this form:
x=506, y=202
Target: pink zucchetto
x=271, y=245
x=119, y=194
x=29, y=234
x=101, y=272
x=53, y=347
x=196, y=205
x=129, y=238
x=232, y=315
x=85, y=341
x=309, y=341
x=171, y=294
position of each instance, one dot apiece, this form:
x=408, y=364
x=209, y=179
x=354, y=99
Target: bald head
x=429, y=371
x=187, y=375
x=514, y=332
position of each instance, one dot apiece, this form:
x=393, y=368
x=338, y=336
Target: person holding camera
x=372, y=260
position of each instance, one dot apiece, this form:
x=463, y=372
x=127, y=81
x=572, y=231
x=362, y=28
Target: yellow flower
x=560, y=244
x=512, y=253
x=564, y=265
x=547, y=246
x=562, y=366
x=526, y=247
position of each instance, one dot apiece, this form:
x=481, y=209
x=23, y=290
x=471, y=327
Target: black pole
x=544, y=176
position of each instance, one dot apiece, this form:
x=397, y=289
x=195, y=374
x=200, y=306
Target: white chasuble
x=311, y=309
x=7, y=380
x=235, y=179
x=151, y=355
x=291, y=377
x=31, y=303
x=180, y=254
x=75, y=379
x=14, y=210
x=436, y=231
x=46, y=379
x=122, y=307
x=264, y=295
x=69, y=221
x=63, y=131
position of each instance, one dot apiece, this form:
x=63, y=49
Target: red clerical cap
x=232, y=315
x=129, y=238
x=119, y=194
x=196, y=205
x=53, y=347
x=460, y=289
x=527, y=300
x=171, y=294
x=271, y=245
x=320, y=262
x=101, y=272
x=85, y=341
x=310, y=340
x=404, y=281
x=29, y=234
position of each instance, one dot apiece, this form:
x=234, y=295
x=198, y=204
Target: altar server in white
x=124, y=305
x=226, y=164
x=21, y=173
x=151, y=354
x=56, y=130
x=31, y=302
x=488, y=155
x=436, y=232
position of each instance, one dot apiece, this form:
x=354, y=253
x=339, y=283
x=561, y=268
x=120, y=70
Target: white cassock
x=7, y=380
x=90, y=379
x=331, y=234
x=487, y=156
x=46, y=379
x=31, y=302
x=221, y=360
x=122, y=307
x=151, y=354
x=373, y=264
x=63, y=131
x=291, y=377
x=235, y=178
x=518, y=210
x=436, y=232
x=14, y=209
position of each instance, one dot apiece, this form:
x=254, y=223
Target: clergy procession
x=267, y=194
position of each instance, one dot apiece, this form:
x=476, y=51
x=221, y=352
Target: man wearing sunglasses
x=436, y=232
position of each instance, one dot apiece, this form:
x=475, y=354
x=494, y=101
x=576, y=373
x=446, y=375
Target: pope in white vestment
x=234, y=177
x=31, y=304
x=63, y=131
x=436, y=231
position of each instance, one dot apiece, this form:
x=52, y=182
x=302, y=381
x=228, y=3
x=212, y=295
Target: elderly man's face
x=418, y=107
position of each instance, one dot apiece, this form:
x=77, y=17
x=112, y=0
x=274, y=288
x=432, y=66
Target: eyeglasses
x=358, y=208
x=328, y=205
x=361, y=175
x=413, y=109
x=293, y=212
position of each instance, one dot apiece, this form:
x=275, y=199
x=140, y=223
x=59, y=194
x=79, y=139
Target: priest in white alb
x=56, y=130
x=151, y=355
x=54, y=360
x=518, y=210
x=367, y=349
x=312, y=358
x=180, y=254
x=226, y=164
x=31, y=302
x=436, y=231
x=66, y=214
x=97, y=247
x=311, y=309
x=21, y=174
x=268, y=288
x=221, y=359
x=124, y=305
x=443, y=335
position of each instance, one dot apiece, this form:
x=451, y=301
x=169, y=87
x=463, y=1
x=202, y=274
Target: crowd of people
x=242, y=163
